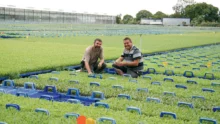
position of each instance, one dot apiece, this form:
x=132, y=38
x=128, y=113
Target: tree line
x=200, y=14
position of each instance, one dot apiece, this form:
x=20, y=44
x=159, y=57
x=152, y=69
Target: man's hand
x=90, y=73
x=120, y=63
x=99, y=65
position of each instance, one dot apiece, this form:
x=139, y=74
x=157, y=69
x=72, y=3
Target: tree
x=175, y=15
x=202, y=12
x=197, y=20
x=143, y=14
x=159, y=15
x=127, y=19
x=135, y=21
x=118, y=19
x=180, y=6
x=219, y=16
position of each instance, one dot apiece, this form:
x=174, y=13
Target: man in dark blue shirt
x=131, y=60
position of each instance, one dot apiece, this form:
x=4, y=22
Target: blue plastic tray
x=54, y=94
x=49, y=93
x=8, y=86
x=84, y=100
x=28, y=89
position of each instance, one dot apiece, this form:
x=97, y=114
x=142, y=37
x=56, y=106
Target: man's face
x=127, y=44
x=97, y=44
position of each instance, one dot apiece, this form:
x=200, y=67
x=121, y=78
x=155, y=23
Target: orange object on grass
x=90, y=121
x=81, y=120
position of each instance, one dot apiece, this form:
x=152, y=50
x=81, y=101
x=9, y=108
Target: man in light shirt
x=91, y=56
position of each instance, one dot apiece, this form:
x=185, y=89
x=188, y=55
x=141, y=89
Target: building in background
x=166, y=21
x=176, y=21
x=31, y=15
x=146, y=21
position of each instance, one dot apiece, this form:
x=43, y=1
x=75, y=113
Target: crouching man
x=131, y=60
x=91, y=56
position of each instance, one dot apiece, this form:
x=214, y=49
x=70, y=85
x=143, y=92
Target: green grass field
x=150, y=111
x=64, y=45
x=31, y=54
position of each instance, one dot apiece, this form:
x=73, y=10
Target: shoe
x=118, y=71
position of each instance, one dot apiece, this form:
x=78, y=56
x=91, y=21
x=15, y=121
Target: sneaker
x=118, y=71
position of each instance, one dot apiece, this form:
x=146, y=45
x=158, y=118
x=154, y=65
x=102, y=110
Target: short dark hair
x=127, y=38
x=97, y=39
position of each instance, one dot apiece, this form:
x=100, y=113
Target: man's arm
x=100, y=63
x=86, y=61
x=88, y=67
x=120, y=59
x=102, y=60
x=136, y=59
x=133, y=63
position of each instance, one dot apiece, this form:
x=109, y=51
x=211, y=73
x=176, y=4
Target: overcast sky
x=109, y=7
